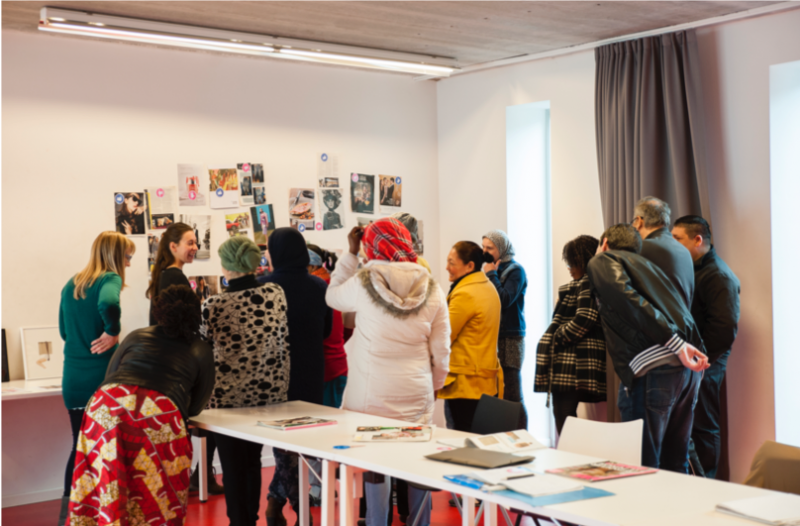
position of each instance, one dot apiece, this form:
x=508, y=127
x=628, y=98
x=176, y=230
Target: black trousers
x=462, y=410
x=706, y=433
x=512, y=391
x=241, y=476
x=564, y=404
x=75, y=421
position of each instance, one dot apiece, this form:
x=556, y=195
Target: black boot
x=275, y=512
x=62, y=518
x=214, y=488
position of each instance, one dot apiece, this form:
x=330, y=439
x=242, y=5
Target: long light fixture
x=159, y=33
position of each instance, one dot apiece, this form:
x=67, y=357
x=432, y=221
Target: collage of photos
x=301, y=208
x=224, y=187
x=263, y=223
x=202, y=230
x=391, y=193
x=192, y=184
x=259, y=191
x=204, y=286
x=238, y=224
x=160, y=207
x=129, y=213
x=362, y=192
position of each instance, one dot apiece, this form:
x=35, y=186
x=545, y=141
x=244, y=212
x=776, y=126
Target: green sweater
x=81, y=322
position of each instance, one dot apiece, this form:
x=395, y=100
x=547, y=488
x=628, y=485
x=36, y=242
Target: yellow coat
x=475, y=323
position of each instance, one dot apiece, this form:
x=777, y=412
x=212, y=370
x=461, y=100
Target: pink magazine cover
x=597, y=471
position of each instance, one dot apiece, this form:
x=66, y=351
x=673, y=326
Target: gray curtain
x=650, y=133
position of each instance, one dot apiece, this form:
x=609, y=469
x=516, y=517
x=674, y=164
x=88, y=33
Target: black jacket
x=643, y=314
x=716, y=304
x=673, y=259
x=181, y=371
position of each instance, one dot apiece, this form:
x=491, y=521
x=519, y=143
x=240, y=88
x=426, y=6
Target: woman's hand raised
x=354, y=239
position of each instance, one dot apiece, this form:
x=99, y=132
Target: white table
x=22, y=389
x=658, y=499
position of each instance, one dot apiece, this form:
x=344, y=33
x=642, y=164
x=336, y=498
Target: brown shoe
x=275, y=512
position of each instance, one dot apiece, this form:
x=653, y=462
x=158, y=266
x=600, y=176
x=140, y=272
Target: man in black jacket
x=715, y=309
x=653, y=343
x=651, y=219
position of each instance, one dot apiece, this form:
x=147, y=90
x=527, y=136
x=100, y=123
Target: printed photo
x=192, y=184
x=362, y=192
x=161, y=206
x=419, y=245
x=244, y=171
x=263, y=222
x=130, y=211
x=161, y=221
x=329, y=182
x=332, y=217
x=238, y=224
x=301, y=208
x=152, y=249
x=259, y=195
x=224, y=187
x=300, y=224
x=202, y=230
x=204, y=286
x=391, y=193
x=258, y=173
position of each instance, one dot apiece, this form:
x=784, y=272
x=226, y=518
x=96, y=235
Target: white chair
x=619, y=441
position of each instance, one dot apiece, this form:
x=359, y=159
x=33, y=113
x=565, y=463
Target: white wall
x=84, y=119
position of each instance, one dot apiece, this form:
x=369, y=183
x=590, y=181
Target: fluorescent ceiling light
x=63, y=21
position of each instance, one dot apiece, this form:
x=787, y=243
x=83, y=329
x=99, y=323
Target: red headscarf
x=389, y=240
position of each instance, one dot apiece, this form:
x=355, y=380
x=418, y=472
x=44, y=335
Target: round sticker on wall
x=301, y=227
x=246, y=167
x=119, y=199
x=193, y=284
x=160, y=192
x=220, y=192
x=355, y=178
x=324, y=157
x=224, y=282
x=192, y=195
x=398, y=181
x=319, y=226
x=263, y=261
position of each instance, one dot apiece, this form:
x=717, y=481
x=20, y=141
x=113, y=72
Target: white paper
x=202, y=229
x=780, y=509
x=328, y=170
x=542, y=485
x=498, y=475
x=223, y=186
x=161, y=207
x=192, y=184
x=508, y=442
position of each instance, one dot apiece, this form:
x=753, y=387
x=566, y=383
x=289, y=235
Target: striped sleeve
x=656, y=353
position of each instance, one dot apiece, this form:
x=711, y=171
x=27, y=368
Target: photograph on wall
x=152, y=249
x=364, y=222
x=391, y=197
x=259, y=195
x=130, y=210
x=419, y=244
x=263, y=222
x=204, y=286
x=161, y=207
x=238, y=224
x=223, y=284
x=362, y=192
x=245, y=172
x=223, y=187
x=327, y=167
x=192, y=184
x=301, y=208
x=331, y=209
x=42, y=352
x=329, y=182
x=202, y=229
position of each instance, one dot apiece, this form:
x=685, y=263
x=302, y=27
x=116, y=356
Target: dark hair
x=695, y=226
x=623, y=237
x=177, y=311
x=329, y=259
x=468, y=251
x=579, y=251
x=164, y=257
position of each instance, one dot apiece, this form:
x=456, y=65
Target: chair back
x=495, y=415
x=617, y=441
x=776, y=466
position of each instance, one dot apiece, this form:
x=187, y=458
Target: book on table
x=597, y=471
x=300, y=422
x=393, y=434
x=778, y=509
x=479, y=458
x=507, y=442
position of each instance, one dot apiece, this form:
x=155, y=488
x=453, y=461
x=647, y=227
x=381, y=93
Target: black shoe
x=214, y=487
x=362, y=522
x=275, y=512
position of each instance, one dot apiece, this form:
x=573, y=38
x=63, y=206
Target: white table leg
x=202, y=466
x=329, y=493
x=303, y=489
x=489, y=514
x=467, y=511
x=346, y=494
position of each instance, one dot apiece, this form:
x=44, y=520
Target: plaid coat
x=572, y=353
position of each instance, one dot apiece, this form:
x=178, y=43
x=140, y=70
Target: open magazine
x=519, y=479
x=597, y=471
x=300, y=422
x=393, y=434
x=507, y=442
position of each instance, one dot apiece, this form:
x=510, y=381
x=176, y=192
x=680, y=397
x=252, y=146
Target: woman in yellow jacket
x=475, y=323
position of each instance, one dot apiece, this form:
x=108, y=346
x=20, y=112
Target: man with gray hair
x=651, y=218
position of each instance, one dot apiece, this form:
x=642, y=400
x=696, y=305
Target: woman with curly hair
x=134, y=454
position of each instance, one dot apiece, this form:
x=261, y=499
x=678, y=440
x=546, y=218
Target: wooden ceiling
x=471, y=32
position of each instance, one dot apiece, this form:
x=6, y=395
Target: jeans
x=565, y=404
x=664, y=398
x=285, y=484
x=75, y=421
x=378, y=503
x=706, y=428
x=241, y=476
x=513, y=392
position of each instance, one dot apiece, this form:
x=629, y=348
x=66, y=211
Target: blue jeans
x=378, y=503
x=706, y=433
x=664, y=398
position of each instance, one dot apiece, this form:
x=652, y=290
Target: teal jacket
x=81, y=322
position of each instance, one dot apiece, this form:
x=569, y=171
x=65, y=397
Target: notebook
x=479, y=458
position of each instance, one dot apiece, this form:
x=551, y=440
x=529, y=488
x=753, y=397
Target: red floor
x=213, y=512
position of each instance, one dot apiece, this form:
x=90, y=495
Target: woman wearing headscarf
x=247, y=325
x=310, y=321
x=508, y=277
x=398, y=356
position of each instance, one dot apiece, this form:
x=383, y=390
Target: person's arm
x=614, y=288
x=722, y=322
x=110, y=312
x=513, y=287
x=459, y=313
x=119, y=354
x=203, y=386
x=62, y=328
x=342, y=293
x=439, y=342
x=586, y=316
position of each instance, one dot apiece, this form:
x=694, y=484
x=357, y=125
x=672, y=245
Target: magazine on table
x=517, y=479
x=393, y=434
x=597, y=471
x=507, y=442
x=300, y=422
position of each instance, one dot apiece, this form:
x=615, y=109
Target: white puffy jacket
x=400, y=349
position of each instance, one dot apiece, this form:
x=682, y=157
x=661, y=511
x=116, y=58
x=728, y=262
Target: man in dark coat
x=653, y=343
x=715, y=309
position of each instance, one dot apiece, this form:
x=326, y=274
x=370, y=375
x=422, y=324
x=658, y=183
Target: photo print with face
x=362, y=193
x=130, y=210
x=263, y=221
x=332, y=208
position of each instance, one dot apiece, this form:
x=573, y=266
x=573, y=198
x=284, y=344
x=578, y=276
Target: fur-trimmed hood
x=402, y=289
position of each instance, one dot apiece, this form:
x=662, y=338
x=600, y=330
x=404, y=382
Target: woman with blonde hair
x=89, y=323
